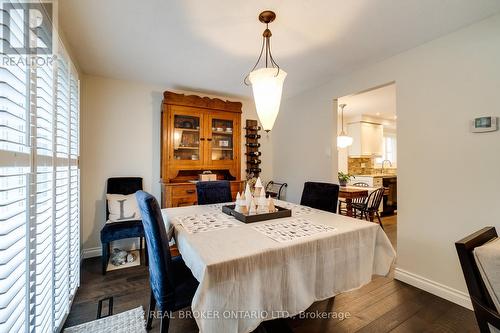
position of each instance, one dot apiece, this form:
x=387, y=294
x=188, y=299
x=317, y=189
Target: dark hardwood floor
x=384, y=305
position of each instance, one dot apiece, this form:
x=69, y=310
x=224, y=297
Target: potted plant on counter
x=344, y=178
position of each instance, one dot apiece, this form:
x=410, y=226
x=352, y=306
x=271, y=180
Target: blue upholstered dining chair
x=212, y=192
x=172, y=284
x=121, y=230
x=322, y=196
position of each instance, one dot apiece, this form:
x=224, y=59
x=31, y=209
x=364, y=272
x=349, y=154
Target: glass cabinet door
x=222, y=139
x=186, y=139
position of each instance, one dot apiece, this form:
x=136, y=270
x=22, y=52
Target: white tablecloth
x=246, y=277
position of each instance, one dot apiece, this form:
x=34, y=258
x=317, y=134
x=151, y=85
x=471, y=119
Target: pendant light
x=343, y=140
x=267, y=82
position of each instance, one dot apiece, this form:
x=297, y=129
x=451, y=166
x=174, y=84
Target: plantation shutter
x=39, y=186
x=14, y=189
x=14, y=185
x=74, y=185
x=61, y=226
x=43, y=123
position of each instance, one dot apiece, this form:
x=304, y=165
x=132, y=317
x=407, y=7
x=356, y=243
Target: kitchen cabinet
x=368, y=139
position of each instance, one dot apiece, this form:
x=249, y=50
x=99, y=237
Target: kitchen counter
x=378, y=175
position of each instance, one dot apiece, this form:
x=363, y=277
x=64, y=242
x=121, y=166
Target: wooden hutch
x=198, y=134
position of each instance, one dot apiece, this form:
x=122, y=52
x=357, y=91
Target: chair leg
x=151, y=310
x=164, y=322
x=140, y=250
x=105, y=257
x=146, y=255
x=380, y=221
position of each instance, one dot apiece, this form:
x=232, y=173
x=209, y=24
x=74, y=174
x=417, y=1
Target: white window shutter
x=39, y=191
x=61, y=226
x=14, y=193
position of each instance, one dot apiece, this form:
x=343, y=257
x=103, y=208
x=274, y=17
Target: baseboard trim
x=433, y=287
x=91, y=252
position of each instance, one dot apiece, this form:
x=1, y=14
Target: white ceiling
x=379, y=103
x=210, y=45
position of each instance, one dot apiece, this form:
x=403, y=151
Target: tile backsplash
x=365, y=166
x=360, y=165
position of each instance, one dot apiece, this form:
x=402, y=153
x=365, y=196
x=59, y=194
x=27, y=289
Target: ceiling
x=377, y=103
x=209, y=46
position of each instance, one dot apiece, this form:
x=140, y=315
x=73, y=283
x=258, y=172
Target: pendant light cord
x=342, y=106
x=266, y=44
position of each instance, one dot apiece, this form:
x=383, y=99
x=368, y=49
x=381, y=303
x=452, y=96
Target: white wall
x=448, y=178
x=304, y=147
x=120, y=136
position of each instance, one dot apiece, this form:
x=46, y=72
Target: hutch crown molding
x=198, y=134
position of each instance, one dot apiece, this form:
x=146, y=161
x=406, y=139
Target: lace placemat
x=206, y=222
x=290, y=230
x=297, y=210
x=216, y=207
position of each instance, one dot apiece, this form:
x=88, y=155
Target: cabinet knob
x=209, y=139
x=202, y=139
x=190, y=191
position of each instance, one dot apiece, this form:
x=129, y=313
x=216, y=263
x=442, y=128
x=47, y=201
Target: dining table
x=352, y=192
x=253, y=272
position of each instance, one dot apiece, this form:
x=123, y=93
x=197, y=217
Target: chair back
x=160, y=276
x=212, y=192
x=374, y=199
x=360, y=200
x=274, y=189
x=322, y=196
x=122, y=185
x=483, y=305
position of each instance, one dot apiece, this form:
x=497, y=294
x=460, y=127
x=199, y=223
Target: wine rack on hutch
x=253, y=155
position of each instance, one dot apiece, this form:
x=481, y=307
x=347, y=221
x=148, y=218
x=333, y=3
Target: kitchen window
x=389, y=150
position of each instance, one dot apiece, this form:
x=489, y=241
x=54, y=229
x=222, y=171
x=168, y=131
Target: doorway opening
x=369, y=118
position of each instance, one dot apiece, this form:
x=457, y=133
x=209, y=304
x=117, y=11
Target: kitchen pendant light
x=343, y=141
x=267, y=82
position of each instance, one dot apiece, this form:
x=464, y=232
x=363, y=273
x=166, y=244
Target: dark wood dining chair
x=321, y=196
x=484, y=307
x=342, y=203
x=368, y=208
x=212, y=192
x=172, y=283
x=121, y=230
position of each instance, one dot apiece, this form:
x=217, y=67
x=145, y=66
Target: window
x=389, y=150
x=39, y=189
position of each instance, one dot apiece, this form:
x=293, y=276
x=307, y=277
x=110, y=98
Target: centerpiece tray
x=246, y=218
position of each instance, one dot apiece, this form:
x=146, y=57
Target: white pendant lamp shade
x=267, y=86
x=344, y=141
